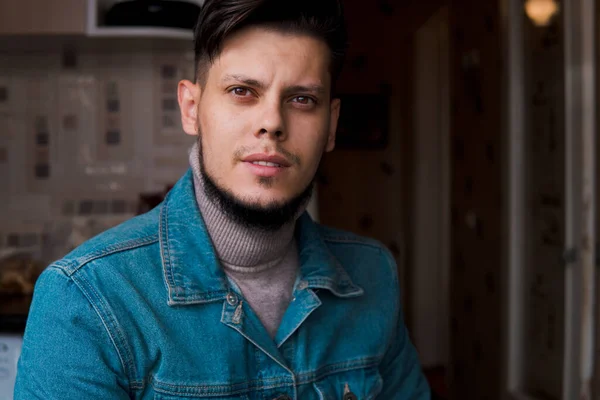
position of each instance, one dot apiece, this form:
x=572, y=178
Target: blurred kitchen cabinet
x=65, y=18
x=34, y=17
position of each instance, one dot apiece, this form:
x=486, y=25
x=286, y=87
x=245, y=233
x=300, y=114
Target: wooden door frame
x=580, y=181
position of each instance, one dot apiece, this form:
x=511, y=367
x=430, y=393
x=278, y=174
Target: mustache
x=261, y=148
x=245, y=150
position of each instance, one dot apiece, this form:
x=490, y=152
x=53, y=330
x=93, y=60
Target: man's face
x=264, y=115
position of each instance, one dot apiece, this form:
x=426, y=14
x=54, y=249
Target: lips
x=266, y=166
x=264, y=160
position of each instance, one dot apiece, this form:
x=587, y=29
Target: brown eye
x=304, y=100
x=240, y=91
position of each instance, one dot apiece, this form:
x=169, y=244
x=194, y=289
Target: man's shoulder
x=137, y=232
x=348, y=246
x=333, y=236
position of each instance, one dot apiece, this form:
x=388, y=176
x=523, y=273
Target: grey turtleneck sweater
x=262, y=264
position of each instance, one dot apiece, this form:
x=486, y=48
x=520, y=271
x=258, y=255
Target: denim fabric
x=144, y=311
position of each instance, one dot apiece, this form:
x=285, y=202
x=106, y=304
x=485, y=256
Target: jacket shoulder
x=136, y=232
x=334, y=237
x=342, y=242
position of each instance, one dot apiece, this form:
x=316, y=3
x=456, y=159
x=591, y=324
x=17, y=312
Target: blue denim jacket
x=144, y=311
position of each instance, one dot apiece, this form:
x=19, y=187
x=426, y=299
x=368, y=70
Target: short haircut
x=218, y=19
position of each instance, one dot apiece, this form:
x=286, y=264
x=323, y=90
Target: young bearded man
x=228, y=289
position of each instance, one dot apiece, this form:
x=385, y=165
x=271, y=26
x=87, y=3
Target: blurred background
x=467, y=145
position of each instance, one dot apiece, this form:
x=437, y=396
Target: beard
x=270, y=217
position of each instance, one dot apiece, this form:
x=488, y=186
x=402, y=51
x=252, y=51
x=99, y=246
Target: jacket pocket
x=195, y=391
x=163, y=396
x=359, y=384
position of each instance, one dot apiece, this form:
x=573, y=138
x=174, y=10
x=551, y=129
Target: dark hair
x=218, y=19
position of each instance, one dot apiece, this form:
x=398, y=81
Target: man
x=228, y=290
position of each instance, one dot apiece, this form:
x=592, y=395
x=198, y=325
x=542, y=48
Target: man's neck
x=238, y=246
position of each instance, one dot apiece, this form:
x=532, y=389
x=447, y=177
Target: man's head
x=262, y=102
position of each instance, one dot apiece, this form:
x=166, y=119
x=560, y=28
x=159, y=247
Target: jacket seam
x=323, y=372
x=109, y=322
x=165, y=253
x=348, y=241
x=71, y=266
x=333, y=285
x=219, y=389
x=207, y=297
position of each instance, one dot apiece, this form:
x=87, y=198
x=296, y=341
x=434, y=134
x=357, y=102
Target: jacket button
x=232, y=299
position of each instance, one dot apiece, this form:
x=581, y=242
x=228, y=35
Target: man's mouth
x=266, y=164
x=267, y=160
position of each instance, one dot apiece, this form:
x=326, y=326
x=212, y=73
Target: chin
x=259, y=194
x=263, y=200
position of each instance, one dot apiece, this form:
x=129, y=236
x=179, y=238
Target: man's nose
x=272, y=121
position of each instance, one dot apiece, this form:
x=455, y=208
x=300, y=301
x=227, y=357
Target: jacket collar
x=191, y=269
x=319, y=268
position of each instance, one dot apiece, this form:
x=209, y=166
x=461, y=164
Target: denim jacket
x=144, y=311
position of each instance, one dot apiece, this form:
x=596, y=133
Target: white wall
x=88, y=177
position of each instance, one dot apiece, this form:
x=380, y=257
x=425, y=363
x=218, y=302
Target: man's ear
x=333, y=123
x=188, y=95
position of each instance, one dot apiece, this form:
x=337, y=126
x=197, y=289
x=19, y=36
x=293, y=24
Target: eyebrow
x=245, y=80
x=316, y=89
